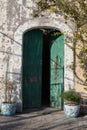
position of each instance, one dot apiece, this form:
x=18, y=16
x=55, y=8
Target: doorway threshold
x=44, y=110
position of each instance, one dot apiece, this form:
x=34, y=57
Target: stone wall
x=15, y=19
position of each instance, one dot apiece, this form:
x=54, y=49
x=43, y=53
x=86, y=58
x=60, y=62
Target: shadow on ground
x=42, y=119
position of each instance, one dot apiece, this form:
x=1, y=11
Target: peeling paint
x=15, y=19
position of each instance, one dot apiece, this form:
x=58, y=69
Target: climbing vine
x=77, y=10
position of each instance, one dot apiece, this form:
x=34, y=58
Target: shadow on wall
x=79, y=76
x=10, y=72
x=83, y=105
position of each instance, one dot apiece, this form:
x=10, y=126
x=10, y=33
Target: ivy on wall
x=77, y=10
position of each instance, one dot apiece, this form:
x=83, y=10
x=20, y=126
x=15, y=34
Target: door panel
x=32, y=68
x=56, y=69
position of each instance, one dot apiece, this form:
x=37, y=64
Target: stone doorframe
x=68, y=53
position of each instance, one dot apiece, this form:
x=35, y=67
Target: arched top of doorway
x=42, y=23
x=44, y=29
x=54, y=24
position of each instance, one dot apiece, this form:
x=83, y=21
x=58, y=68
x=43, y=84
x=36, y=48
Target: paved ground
x=45, y=119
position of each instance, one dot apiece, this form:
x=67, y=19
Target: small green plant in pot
x=8, y=107
x=71, y=103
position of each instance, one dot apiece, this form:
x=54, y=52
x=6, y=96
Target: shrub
x=71, y=97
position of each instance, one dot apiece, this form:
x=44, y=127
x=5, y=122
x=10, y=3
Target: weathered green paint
x=32, y=68
x=56, y=69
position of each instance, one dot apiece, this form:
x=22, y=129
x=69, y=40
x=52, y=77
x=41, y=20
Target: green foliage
x=42, y=4
x=71, y=96
x=78, y=11
x=72, y=66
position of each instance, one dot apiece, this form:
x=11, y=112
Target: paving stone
x=37, y=120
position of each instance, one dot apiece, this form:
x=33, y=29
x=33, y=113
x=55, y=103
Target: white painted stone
x=21, y=22
x=68, y=32
x=19, y=2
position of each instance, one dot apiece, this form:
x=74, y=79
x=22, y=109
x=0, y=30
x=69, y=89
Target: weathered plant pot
x=71, y=110
x=8, y=109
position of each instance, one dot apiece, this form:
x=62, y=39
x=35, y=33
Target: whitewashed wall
x=15, y=19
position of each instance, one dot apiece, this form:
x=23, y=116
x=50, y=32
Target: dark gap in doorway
x=46, y=71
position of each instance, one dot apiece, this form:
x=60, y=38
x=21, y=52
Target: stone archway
x=68, y=59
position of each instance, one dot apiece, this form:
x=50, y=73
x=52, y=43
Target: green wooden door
x=56, y=69
x=32, y=68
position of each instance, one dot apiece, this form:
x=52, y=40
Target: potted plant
x=71, y=103
x=8, y=107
